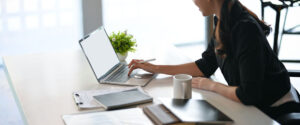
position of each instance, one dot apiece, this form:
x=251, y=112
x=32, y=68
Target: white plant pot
x=121, y=57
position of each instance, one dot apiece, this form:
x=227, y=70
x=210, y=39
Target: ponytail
x=224, y=31
x=266, y=28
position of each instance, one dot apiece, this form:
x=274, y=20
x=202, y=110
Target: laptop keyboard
x=120, y=75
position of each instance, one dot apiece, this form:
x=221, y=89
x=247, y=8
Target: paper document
x=133, y=116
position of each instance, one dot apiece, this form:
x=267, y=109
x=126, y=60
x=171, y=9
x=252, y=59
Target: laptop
x=105, y=64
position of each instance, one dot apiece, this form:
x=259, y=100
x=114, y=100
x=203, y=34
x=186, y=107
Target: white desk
x=43, y=86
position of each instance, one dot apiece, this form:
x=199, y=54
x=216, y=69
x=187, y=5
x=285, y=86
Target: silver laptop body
x=105, y=64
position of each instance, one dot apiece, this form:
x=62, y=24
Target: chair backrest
x=290, y=2
x=290, y=119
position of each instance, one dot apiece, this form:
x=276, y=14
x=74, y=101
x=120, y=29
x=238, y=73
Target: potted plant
x=122, y=43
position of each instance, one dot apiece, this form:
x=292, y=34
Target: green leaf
x=123, y=42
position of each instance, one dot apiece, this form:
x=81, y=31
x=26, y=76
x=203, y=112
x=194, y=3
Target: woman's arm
x=227, y=91
x=205, y=66
x=207, y=84
x=188, y=68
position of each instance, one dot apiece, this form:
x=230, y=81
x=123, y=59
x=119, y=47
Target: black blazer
x=253, y=67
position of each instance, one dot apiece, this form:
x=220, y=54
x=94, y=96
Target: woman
x=239, y=47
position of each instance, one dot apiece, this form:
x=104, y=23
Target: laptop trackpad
x=140, y=78
x=142, y=75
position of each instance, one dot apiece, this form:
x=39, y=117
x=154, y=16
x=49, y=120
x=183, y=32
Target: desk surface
x=43, y=86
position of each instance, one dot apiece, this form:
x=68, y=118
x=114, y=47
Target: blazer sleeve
x=250, y=58
x=208, y=63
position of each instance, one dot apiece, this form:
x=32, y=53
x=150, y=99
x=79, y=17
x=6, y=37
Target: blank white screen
x=99, y=52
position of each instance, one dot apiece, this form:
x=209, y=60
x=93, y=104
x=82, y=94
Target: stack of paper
x=119, y=117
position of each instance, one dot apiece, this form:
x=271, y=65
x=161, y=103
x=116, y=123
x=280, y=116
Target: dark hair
x=225, y=30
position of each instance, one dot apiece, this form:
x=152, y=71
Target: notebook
x=123, y=99
x=84, y=99
x=160, y=115
x=196, y=111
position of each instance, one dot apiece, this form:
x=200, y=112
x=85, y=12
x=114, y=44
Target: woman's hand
x=207, y=84
x=203, y=83
x=134, y=64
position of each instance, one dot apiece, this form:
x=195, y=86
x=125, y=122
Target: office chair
x=283, y=4
x=290, y=119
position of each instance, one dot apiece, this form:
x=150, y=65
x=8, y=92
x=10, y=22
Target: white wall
x=31, y=26
x=174, y=21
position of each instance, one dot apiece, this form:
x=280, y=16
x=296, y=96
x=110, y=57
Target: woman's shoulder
x=247, y=34
x=245, y=24
x=247, y=29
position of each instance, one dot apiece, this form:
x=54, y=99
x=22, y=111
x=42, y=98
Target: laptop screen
x=99, y=51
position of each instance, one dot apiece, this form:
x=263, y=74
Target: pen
x=148, y=60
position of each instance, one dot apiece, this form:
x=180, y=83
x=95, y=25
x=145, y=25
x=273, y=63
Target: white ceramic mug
x=182, y=86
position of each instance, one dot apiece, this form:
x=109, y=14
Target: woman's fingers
x=203, y=83
x=196, y=82
x=133, y=67
x=133, y=62
x=195, y=85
